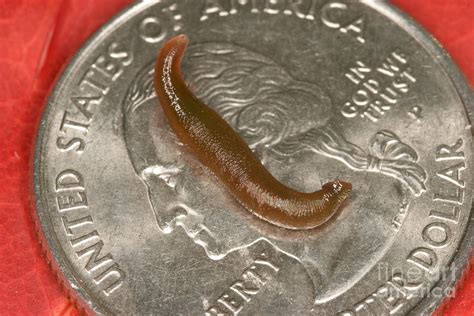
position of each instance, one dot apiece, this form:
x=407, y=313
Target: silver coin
x=319, y=90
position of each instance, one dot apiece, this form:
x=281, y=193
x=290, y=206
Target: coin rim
x=52, y=248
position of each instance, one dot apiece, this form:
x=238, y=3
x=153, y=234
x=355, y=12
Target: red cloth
x=37, y=37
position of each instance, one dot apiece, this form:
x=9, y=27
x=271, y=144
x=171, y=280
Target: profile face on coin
x=319, y=90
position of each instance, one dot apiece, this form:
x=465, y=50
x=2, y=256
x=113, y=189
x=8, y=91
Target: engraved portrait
x=288, y=125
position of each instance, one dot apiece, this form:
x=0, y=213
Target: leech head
x=337, y=191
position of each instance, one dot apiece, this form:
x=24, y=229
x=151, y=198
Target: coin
x=319, y=90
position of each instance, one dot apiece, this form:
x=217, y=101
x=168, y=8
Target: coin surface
x=320, y=90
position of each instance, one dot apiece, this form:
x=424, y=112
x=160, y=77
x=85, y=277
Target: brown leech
x=226, y=154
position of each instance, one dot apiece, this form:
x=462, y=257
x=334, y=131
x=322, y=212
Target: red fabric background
x=37, y=37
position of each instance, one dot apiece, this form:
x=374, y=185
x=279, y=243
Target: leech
x=216, y=145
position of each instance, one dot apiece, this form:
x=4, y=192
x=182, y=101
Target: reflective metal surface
x=319, y=90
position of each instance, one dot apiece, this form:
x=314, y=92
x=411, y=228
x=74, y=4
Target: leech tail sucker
x=216, y=145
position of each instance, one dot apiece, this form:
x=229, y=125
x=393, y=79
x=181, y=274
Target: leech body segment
x=225, y=153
